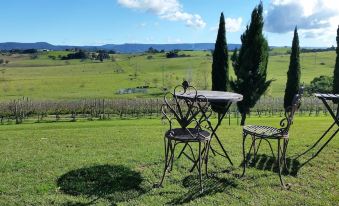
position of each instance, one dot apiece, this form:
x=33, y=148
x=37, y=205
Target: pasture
x=118, y=161
x=43, y=78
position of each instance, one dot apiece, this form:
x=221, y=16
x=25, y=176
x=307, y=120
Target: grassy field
x=118, y=161
x=44, y=78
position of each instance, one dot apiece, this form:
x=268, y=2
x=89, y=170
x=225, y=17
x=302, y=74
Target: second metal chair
x=267, y=133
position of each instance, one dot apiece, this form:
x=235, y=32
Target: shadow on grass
x=114, y=183
x=265, y=162
x=211, y=185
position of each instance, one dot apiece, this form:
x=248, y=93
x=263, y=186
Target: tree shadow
x=265, y=162
x=115, y=183
x=211, y=185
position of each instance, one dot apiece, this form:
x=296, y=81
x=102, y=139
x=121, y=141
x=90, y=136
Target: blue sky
x=97, y=22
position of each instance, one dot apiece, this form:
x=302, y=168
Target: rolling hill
x=121, y=48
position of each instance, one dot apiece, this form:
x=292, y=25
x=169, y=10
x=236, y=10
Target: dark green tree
x=250, y=65
x=220, y=79
x=336, y=68
x=293, y=73
x=102, y=54
x=321, y=84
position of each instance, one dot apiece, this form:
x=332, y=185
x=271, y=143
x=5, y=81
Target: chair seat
x=265, y=131
x=188, y=135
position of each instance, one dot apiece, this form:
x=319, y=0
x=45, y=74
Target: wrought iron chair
x=266, y=133
x=185, y=111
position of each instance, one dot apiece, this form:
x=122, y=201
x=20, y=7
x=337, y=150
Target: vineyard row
x=21, y=109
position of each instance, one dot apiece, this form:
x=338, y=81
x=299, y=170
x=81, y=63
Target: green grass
x=44, y=78
x=118, y=161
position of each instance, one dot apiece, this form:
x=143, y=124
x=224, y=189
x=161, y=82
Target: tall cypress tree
x=250, y=65
x=220, y=79
x=293, y=73
x=336, y=68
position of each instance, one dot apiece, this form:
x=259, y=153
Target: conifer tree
x=220, y=79
x=293, y=74
x=336, y=68
x=250, y=65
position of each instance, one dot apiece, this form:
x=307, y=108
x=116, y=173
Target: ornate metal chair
x=258, y=132
x=183, y=109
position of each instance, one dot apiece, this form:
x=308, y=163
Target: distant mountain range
x=122, y=48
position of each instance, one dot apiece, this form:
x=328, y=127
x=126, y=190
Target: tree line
x=81, y=54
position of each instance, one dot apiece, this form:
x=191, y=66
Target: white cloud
x=284, y=15
x=315, y=19
x=232, y=25
x=170, y=9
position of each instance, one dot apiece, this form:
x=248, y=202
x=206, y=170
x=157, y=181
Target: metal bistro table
x=224, y=98
x=326, y=98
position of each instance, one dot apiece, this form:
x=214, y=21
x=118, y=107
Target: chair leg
x=254, y=148
x=207, y=145
x=279, y=164
x=257, y=148
x=284, y=153
x=244, y=155
x=172, y=155
x=167, y=148
x=199, y=167
x=182, y=150
x=270, y=147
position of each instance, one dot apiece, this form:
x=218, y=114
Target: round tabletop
x=327, y=96
x=215, y=96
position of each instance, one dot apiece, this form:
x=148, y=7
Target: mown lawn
x=119, y=161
